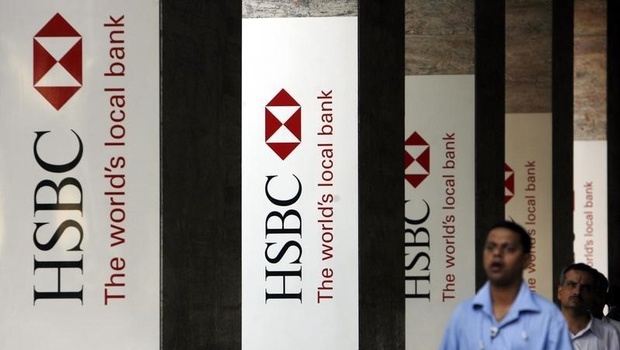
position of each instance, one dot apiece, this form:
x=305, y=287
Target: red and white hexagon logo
x=57, y=61
x=417, y=159
x=283, y=124
x=509, y=183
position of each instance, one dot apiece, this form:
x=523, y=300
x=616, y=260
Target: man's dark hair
x=601, y=283
x=578, y=267
x=614, y=295
x=613, y=301
x=524, y=237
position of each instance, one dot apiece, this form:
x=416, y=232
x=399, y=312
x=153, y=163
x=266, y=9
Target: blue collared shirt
x=532, y=322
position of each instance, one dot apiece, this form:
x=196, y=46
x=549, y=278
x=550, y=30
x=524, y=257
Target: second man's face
x=576, y=292
x=503, y=258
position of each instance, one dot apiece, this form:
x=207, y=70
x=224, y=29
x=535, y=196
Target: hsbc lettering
x=283, y=250
x=417, y=254
x=69, y=230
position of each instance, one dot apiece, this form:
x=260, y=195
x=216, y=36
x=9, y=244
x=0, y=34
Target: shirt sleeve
x=451, y=333
x=559, y=336
x=614, y=340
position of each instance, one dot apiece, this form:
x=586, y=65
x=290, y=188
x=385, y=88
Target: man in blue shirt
x=505, y=314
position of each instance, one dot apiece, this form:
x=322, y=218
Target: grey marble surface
x=439, y=37
x=590, y=70
x=299, y=8
x=528, y=56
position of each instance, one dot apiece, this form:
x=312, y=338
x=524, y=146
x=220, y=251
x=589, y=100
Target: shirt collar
x=587, y=329
x=523, y=303
x=593, y=327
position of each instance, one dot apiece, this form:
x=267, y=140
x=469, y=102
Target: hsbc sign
x=438, y=238
x=57, y=61
x=299, y=199
x=82, y=245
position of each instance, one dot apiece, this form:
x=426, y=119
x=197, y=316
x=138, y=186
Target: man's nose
x=578, y=289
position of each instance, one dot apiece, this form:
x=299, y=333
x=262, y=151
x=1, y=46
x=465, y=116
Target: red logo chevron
x=57, y=61
x=283, y=124
x=417, y=159
x=509, y=183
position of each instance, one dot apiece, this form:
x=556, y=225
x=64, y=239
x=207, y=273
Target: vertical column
x=201, y=175
x=80, y=184
x=490, y=121
x=381, y=111
x=562, y=119
x=613, y=137
x=299, y=186
x=528, y=134
x=590, y=134
x=439, y=224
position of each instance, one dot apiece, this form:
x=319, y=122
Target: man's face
x=576, y=292
x=504, y=259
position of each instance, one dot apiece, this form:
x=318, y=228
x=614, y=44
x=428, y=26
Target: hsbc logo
x=57, y=61
x=417, y=159
x=509, y=183
x=417, y=236
x=57, y=76
x=283, y=124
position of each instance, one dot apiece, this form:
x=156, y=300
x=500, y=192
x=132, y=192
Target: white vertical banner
x=528, y=196
x=79, y=189
x=439, y=231
x=590, y=215
x=299, y=184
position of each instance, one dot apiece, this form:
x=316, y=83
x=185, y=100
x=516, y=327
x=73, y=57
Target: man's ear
x=557, y=293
